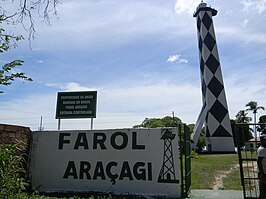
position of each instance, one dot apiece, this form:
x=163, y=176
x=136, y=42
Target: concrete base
x=220, y=144
x=217, y=194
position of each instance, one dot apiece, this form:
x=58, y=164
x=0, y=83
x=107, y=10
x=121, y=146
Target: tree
x=253, y=106
x=202, y=141
x=241, y=117
x=7, y=76
x=242, y=133
x=159, y=122
x=22, y=15
x=170, y=122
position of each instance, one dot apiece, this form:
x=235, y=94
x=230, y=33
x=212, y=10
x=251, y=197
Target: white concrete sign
x=120, y=161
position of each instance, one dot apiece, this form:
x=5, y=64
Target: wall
x=119, y=161
x=11, y=133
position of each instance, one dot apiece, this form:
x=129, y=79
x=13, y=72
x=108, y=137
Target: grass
x=232, y=182
x=206, y=167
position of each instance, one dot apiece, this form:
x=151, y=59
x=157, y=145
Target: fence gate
x=185, y=161
x=247, y=154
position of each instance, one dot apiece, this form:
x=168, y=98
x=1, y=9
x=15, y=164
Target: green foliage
x=8, y=41
x=7, y=72
x=12, y=169
x=194, y=154
x=202, y=141
x=241, y=132
x=241, y=117
x=166, y=121
x=253, y=106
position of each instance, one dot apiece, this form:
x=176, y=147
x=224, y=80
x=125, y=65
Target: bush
x=12, y=169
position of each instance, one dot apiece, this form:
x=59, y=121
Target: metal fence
x=185, y=159
x=247, y=154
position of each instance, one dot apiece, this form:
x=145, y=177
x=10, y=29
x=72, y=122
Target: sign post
x=73, y=105
x=59, y=124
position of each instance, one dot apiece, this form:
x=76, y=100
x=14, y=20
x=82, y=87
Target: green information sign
x=72, y=105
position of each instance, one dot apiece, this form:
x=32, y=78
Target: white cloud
x=186, y=6
x=239, y=95
x=176, y=59
x=245, y=35
x=247, y=4
x=123, y=107
x=254, y=5
x=173, y=58
x=108, y=22
x=70, y=86
x=183, y=61
x=117, y=107
x=244, y=23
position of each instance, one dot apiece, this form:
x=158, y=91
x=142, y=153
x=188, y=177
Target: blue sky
x=141, y=57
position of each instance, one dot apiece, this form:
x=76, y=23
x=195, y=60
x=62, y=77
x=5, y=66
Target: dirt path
x=218, y=184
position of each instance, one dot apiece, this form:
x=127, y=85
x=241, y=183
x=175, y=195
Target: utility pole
x=41, y=128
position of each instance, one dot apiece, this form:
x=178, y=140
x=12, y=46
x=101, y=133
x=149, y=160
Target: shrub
x=12, y=169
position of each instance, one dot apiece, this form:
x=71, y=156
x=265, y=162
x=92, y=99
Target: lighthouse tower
x=214, y=112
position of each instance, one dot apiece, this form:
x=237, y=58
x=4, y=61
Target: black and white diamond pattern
x=217, y=122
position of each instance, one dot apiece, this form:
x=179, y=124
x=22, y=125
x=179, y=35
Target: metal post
x=41, y=128
x=91, y=123
x=59, y=124
x=173, y=114
x=181, y=160
x=255, y=129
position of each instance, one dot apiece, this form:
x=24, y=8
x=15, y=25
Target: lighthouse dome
x=202, y=5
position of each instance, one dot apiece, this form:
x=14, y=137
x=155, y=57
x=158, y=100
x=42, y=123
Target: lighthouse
x=214, y=113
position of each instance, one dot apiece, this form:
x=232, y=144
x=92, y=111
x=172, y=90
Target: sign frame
x=119, y=161
x=77, y=104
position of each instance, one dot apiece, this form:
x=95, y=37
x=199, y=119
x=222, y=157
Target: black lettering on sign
x=71, y=170
x=62, y=140
x=99, y=171
x=109, y=173
x=81, y=141
x=84, y=169
x=134, y=142
x=125, y=172
x=99, y=138
x=139, y=171
x=136, y=171
x=149, y=171
x=124, y=140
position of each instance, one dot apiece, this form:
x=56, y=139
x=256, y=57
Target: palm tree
x=253, y=106
x=241, y=117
